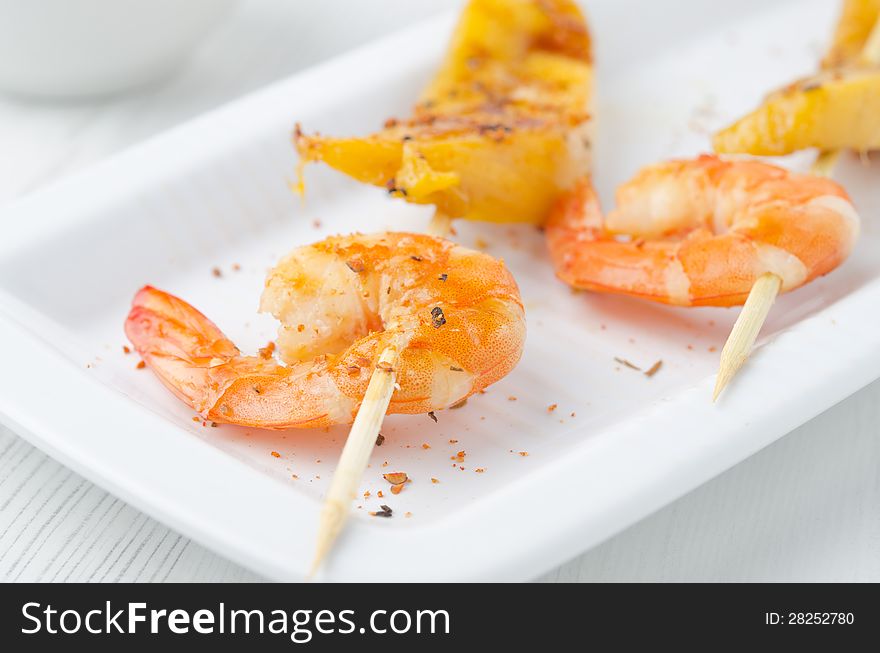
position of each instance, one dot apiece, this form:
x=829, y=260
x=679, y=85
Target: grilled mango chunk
x=856, y=22
x=499, y=132
x=839, y=108
x=833, y=110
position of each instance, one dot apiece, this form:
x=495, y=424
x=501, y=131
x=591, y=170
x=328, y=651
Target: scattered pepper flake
x=141, y=365
x=432, y=416
x=417, y=258
x=437, y=317
x=367, y=494
x=300, y=328
x=425, y=445
x=275, y=454
x=443, y=277
x=459, y=456
x=654, y=369
x=434, y=480
x=523, y=453
x=453, y=442
x=511, y=398
x=217, y=272
x=214, y=425
x=379, y=440
x=236, y=267
x=480, y=470
x=626, y=363
x=379, y=494
x=456, y=369
x=196, y=418
x=407, y=515
x=126, y=349
x=267, y=351
x=552, y=407
x=384, y=511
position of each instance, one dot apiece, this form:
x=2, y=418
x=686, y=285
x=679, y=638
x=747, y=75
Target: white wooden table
x=805, y=508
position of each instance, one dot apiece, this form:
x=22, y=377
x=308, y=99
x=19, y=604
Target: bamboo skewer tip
x=745, y=331
x=356, y=453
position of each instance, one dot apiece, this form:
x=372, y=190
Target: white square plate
x=215, y=192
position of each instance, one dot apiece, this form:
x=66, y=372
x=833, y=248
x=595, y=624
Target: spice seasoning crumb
x=456, y=369
x=511, y=398
x=267, y=351
x=214, y=425
x=437, y=317
x=432, y=416
x=417, y=258
x=480, y=470
x=425, y=445
x=552, y=407
x=626, y=363
x=379, y=440
x=141, y=365
x=236, y=267
x=367, y=494
x=380, y=494
x=453, y=442
x=654, y=369
x=407, y=515
x=434, y=480
x=275, y=454
x=384, y=511
x=126, y=349
x=443, y=277
x=523, y=453
x=217, y=272
x=396, y=478
x=459, y=456
x=294, y=477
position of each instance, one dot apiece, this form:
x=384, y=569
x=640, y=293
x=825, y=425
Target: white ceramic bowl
x=70, y=48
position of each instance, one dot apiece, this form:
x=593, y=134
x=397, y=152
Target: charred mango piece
x=833, y=110
x=839, y=108
x=499, y=132
x=856, y=23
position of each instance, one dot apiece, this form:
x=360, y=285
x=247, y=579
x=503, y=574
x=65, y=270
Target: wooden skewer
x=356, y=453
x=362, y=437
x=739, y=343
x=440, y=224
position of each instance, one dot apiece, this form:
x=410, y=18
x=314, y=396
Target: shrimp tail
x=181, y=345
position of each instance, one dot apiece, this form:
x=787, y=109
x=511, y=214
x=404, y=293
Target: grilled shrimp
x=455, y=314
x=701, y=231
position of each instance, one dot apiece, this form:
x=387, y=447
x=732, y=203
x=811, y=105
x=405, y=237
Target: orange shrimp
x=456, y=312
x=701, y=231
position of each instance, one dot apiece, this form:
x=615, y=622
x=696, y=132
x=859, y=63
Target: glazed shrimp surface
x=456, y=314
x=702, y=231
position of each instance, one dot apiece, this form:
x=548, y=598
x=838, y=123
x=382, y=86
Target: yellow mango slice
x=499, y=132
x=856, y=22
x=833, y=110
